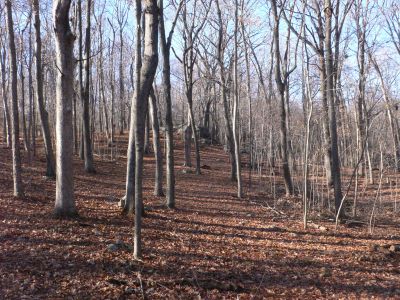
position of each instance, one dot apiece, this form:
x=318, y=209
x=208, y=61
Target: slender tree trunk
x=87, y=142
x=147, y=73
x=236, y=137
x=22, y=80
x=224, y=95
x=121, y=85
x=101, y=83
x=30, y=96
x=195, y=138
x=147, y=134
x=16, y=155
x=188, y=143
x=281, y=84
x=158, y=190
x=165, y=43
x=80, y=76
x=65, y=203
x=44, y=119
x=332, y=110
x=5, y=99
x=248, y=91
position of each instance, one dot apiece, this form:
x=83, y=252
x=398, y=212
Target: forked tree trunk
x=65, y=203
x=50, y=164
x=281, y=84
x=147, y=73
x=16, y=155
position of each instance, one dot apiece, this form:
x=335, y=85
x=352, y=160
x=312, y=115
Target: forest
x=199, y=149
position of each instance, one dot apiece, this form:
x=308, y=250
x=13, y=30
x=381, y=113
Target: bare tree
x=235, y=121
x=145, y=69
x=224, y=92
x=158, y=188
x=282, y=84
x=16, y=155
x=6, y=110
x=192, y=26
x=165, y=45
x=65, y=203
x=330, y=73
x=44, y=119
x=87, y=142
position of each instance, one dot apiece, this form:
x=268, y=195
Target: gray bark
x=224, y=96
x=147, y=73
x=16, y=155
x=158, y=189
x=332, y=110
x=165, y=44
x=65, y=203
x=5, y=98
x=236, y=137
x=44, y=119
x=87, y=142
x=281, y=84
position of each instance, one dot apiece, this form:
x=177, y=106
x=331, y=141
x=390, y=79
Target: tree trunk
x=147, y=134
x=87, y=142
x=121, y=86
x=236, y=137
x=188, y=144
x=16, y=155
x=281, y=84
x=50, y=164
x=65, y=203
x=5, y=99
x=165, y=43
x=224, y=95
x=147, y=73
x=332, y=110
x=30, y=96
x=22, y=77
x=158, y=190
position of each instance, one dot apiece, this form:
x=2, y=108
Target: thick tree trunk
x=16, y=155
x=50, y=163
x=65, y=203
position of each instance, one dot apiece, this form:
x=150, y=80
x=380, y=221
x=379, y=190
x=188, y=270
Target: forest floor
x=212, y=246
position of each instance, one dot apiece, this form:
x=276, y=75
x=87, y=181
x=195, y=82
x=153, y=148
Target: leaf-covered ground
x=212, y=246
